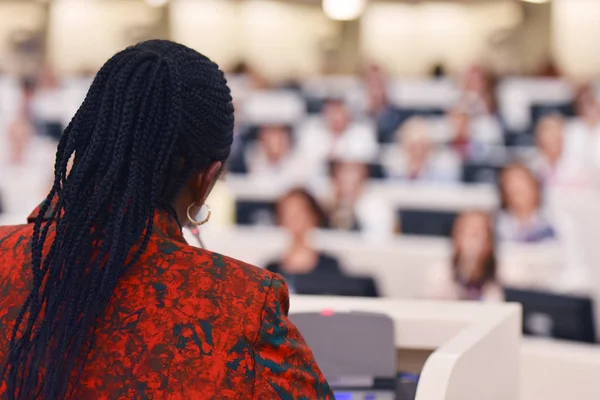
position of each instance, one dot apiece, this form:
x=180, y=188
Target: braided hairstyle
x=156, y=114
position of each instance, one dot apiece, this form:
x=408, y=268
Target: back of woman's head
x=156, y=114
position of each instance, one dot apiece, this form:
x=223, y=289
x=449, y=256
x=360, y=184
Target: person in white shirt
x=471, y=274
x=521, y=218
x=477, y=87
x=353, y=207
x=550, y=164
x=470, y=136
x=336, y=135
x=583, y=133
x=271, y=154
x=413, y=158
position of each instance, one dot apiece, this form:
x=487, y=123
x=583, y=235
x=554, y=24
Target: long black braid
x=155, y=114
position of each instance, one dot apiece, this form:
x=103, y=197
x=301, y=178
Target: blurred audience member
x=349, y=180
x=48, y=109
x=521, y=218
x=549, y=70
x=413, y=157
x=353, y=207
x=256, y=80
x=583, y=134
x=21, y=130
x=20, y=133
x=379, y=108
x=478, y=91
x=337, y=135
x=271, y=155
x=472, y=272
x=438, y=71
x=299, y=214
x=551, y=165
x=471, y=137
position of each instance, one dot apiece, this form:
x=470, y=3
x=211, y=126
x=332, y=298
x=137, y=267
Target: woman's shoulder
x=207, y=270
x=239, y=268
x=328, y=263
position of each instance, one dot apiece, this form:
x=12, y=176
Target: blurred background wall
x=285, y=38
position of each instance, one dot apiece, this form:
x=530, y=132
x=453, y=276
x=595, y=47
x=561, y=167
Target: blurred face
x=416, y=143
x=588, y=107
x=275, y=142
x=374, y=79
x=550, y=138
x=377, y=98
x=471, y=235
x=349, y=179
x=296, y=216
x=521, y=191
x=475, y=80
x=460, y=122
x=337, y=116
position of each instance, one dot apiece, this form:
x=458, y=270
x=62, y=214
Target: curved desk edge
x=476, y=345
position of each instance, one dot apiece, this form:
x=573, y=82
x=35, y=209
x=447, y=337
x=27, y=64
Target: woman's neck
x=592, y=122
x=470, y=270
x=553, y=160
x=524, y=216
x=415, y=167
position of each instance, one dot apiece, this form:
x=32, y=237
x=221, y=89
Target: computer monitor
x=426, y=222
x=553, y=315
x=355, y=350
x=481, y=173
x=335, y=285
x=254, y=212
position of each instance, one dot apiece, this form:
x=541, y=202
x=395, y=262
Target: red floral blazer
x=184, y=323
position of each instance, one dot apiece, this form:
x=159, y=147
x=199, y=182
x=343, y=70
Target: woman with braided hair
x=100, y=295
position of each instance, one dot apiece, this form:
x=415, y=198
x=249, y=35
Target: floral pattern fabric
x=183, y=323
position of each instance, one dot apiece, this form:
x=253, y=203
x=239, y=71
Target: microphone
x=196, y=232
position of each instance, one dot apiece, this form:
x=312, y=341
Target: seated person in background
x=379, y=108
x=550, y=165
x=271, y=154
x=521, y=218
x=336, y=135
x=21, y=130
x=413, y=158
x=20, y=134
x=472, y=272
x=353, y=207
x=48, y=105
x=477, y=85
x=470, y=137
x=299, y=214
x=582, y=139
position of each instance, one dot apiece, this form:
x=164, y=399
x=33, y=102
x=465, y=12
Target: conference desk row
x=474, y=351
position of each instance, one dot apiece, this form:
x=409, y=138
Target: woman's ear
x=205, y=182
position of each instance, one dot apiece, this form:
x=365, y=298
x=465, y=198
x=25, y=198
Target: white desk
x=475, y=346
x=555, y=370
x=443, y=198
x=402, y=266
